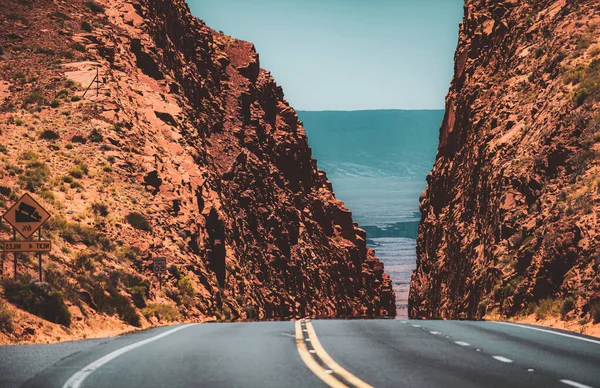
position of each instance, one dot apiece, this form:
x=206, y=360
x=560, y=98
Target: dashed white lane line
x=503, y=359
x=530, y=370
x=574, y=384
x=416, y=325
x=461, y=343
x=551, y=332
x=435, y=332
x=77, y=379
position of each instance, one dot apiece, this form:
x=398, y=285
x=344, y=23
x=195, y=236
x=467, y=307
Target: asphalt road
x=361, y=353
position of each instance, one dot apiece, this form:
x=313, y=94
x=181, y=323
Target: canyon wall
x=187, y=150
x=510, y=216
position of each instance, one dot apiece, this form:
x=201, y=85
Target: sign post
x=160, y=267
x=26, y=216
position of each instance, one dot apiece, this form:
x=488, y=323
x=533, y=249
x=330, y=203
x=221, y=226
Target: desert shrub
x=78, y=47
x=547, y=307
x=125, y=310
x=173, y=270
x=186, y=289
x=79, y=139
x=173, y=294
x=43, y=50
x=567, y=306
x=6, y=318
x=3, y=149
x=35, y=97
x=162, y=311
x=138, y=221
x=139, y=294
x=94, y=6
x=62, y=93
x=76, y=233
x=4, y=190
x=595, y=311
x=95, y=136
x=59, y=15
x=1, y=50
x=100, y=209
x=38, y=299
x=49, y=134
x=79, y=170
x=34, y=176
x=75, y=98
x=107, y=168
x=251, y=313
x=19, y=76
x=54, y=103
x=86, y=26
x=589, y=87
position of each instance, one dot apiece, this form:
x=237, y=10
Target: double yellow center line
x=321, y=363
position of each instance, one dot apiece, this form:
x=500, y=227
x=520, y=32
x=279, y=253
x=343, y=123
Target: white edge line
x=551, y=332
x=77, y=379
x=574, y=384
x=503, y=359
x=461, y=343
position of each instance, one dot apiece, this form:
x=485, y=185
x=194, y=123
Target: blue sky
x=348, y=54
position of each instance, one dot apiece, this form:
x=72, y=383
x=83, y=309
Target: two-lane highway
x=338, y=353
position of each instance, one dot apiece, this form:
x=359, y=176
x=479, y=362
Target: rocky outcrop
x=191, y=135
x=510, y=214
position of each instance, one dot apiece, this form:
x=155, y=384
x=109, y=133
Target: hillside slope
x=510, y=223
x=188, y=150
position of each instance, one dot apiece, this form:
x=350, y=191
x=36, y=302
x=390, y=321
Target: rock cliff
x=185, y=149
x=510, y=216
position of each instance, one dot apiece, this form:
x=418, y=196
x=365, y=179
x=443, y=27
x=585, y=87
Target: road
x=338, y=353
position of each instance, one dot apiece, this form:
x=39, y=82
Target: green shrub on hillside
x=38, y=299
x=547, y=307
x=138, y=221
x=95, y=136
x=595, y=310
x=6, y=318
x=49, y=134
x=34, y=176
x=86, y=26
x=163, y=312
x=567, y=306
x=186, y=290
x=94, y=6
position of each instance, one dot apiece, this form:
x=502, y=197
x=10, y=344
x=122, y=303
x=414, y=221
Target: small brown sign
x=160, y=265
x=26, y=216
x=41, y=246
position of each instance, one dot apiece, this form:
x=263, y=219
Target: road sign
x=160, y=265
x=41, y=246
x=26, y=216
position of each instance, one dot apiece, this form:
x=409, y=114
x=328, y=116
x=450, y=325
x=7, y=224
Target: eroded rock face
x=510, y=213
x=190, y=133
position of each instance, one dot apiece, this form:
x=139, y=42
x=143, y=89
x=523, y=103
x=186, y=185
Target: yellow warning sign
x=26, y=216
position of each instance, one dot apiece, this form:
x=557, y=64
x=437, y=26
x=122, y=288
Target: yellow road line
x=326, y=358
x=310, y=362
x=334, y=366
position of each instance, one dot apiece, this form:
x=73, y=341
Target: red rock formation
x=200, y=141
x=510, y=213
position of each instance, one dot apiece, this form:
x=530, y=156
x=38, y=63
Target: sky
x=348, y=54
